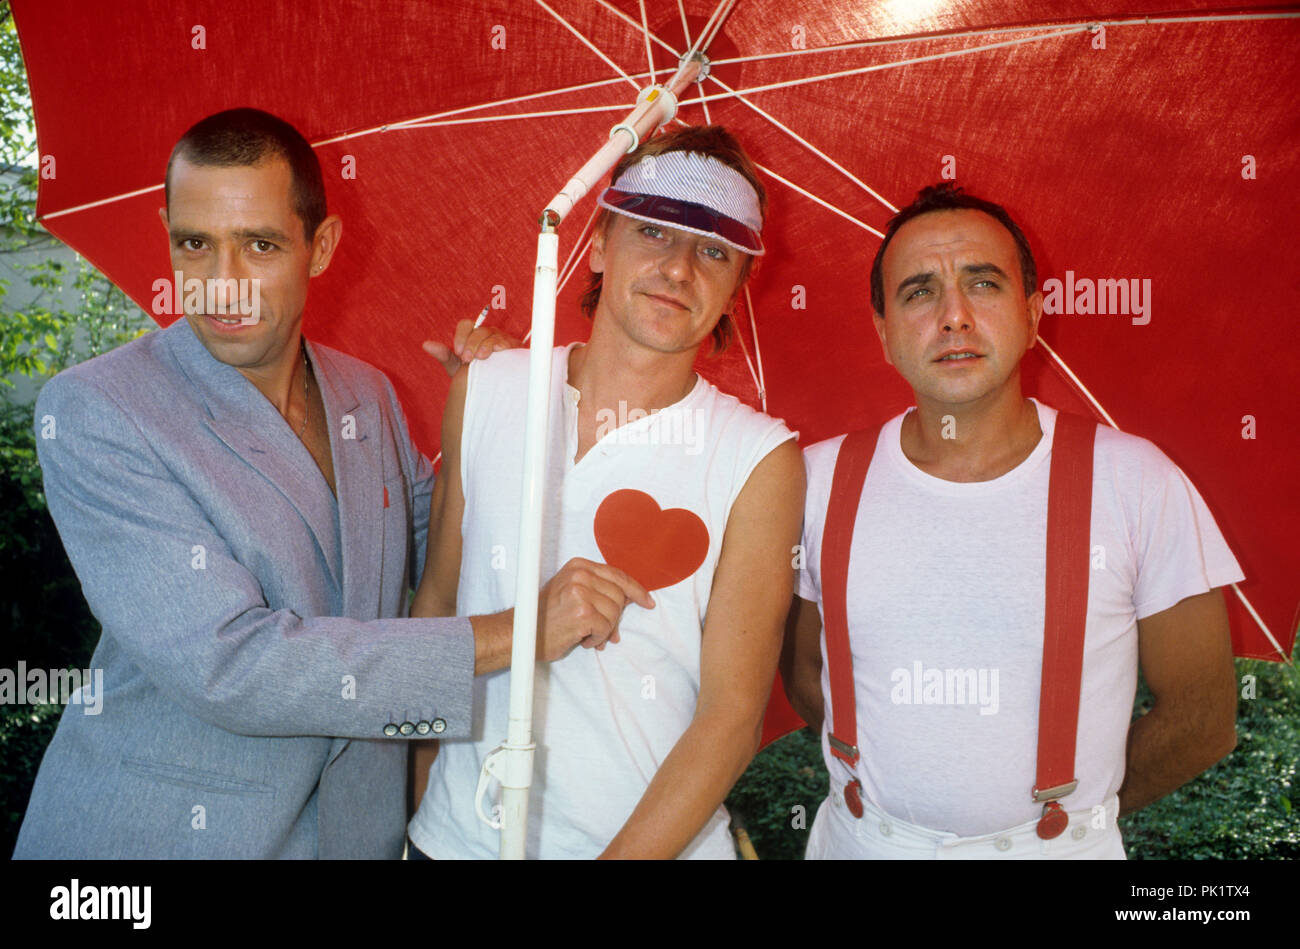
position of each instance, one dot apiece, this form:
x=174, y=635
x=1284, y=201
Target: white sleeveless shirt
x=603, y=721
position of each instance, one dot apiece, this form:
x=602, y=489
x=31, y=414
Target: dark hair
x=715, y=142
x=948, y=197
x=240, y=137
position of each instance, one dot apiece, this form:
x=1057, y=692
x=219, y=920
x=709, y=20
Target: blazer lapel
x=251, y=427
x=355, y=442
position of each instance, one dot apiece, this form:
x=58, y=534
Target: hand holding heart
x=581, y=605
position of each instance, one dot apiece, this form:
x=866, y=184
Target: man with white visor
x=652, y=470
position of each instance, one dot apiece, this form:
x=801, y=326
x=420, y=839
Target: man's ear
x=1035, y=305
x=162, y=213
x=879, y=322
x=325, y=242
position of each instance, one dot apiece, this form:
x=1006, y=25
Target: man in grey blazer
x=247, y=514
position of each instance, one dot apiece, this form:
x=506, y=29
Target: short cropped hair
x=948, y=197
x=241, y=137
x=715, y=142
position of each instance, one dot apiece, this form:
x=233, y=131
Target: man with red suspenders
x=991, y=574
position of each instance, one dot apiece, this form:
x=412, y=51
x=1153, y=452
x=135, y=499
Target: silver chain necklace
x=306, y=398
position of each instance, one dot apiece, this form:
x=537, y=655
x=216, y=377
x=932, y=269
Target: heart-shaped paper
x=657, y=548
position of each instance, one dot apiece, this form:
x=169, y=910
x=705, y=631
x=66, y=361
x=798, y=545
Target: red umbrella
x=1150, y=157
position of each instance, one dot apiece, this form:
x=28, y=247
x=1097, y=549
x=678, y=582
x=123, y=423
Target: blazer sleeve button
x=408, y=728
x=439, y=726
x=390, y=729
x=422, y=727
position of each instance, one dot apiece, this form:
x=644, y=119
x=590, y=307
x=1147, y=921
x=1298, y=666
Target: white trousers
x=838, y=835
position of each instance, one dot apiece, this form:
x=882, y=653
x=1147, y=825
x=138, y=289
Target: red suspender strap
x=837, y=536
x=1069, y=522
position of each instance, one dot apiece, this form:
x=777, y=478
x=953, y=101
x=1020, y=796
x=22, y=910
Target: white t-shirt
x=603, y=720
x=945, y=610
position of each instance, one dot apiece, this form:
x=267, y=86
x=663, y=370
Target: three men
x=944, y=593
x=649, y=468
x=247, y=514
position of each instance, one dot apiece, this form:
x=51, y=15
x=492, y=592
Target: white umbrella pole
x=519, y=739
x=512, y=763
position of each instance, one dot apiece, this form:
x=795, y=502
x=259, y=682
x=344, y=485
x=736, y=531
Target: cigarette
x=482, y=315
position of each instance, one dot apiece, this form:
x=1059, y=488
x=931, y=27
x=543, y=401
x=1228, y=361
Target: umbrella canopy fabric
x=1149, y=151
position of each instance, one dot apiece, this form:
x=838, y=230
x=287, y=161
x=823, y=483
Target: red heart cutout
x=657, y=548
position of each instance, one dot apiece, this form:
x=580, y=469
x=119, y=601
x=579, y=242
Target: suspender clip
x=1052, y=794
x=843, y=750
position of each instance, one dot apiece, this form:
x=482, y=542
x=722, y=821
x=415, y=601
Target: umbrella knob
x=699, y=59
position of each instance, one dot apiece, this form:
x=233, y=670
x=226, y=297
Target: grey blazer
x=257, y=675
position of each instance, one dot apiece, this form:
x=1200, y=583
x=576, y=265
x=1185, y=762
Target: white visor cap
x=691, y=192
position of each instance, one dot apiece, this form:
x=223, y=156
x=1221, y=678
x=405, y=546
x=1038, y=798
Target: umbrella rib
x=761, y=380
x=686, y=32
x=749, y=363
x=649, y=53
x=1259, y=620
x=808, y=194
x=94, y=204
x=879, y=67
x=720, y=13
x=588, y=43
x=1070, y=375
x=1078, y=383
x=866, y=44
x=579, y=250
x=731, y=5
x=988, y=31
x=812, y=148
x=616, y=107
x=482, y=105
x=579, y=245
x=623, y=16
x=1216, y=18
x=620, y=107
x=712, y=27
x=822, y=201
